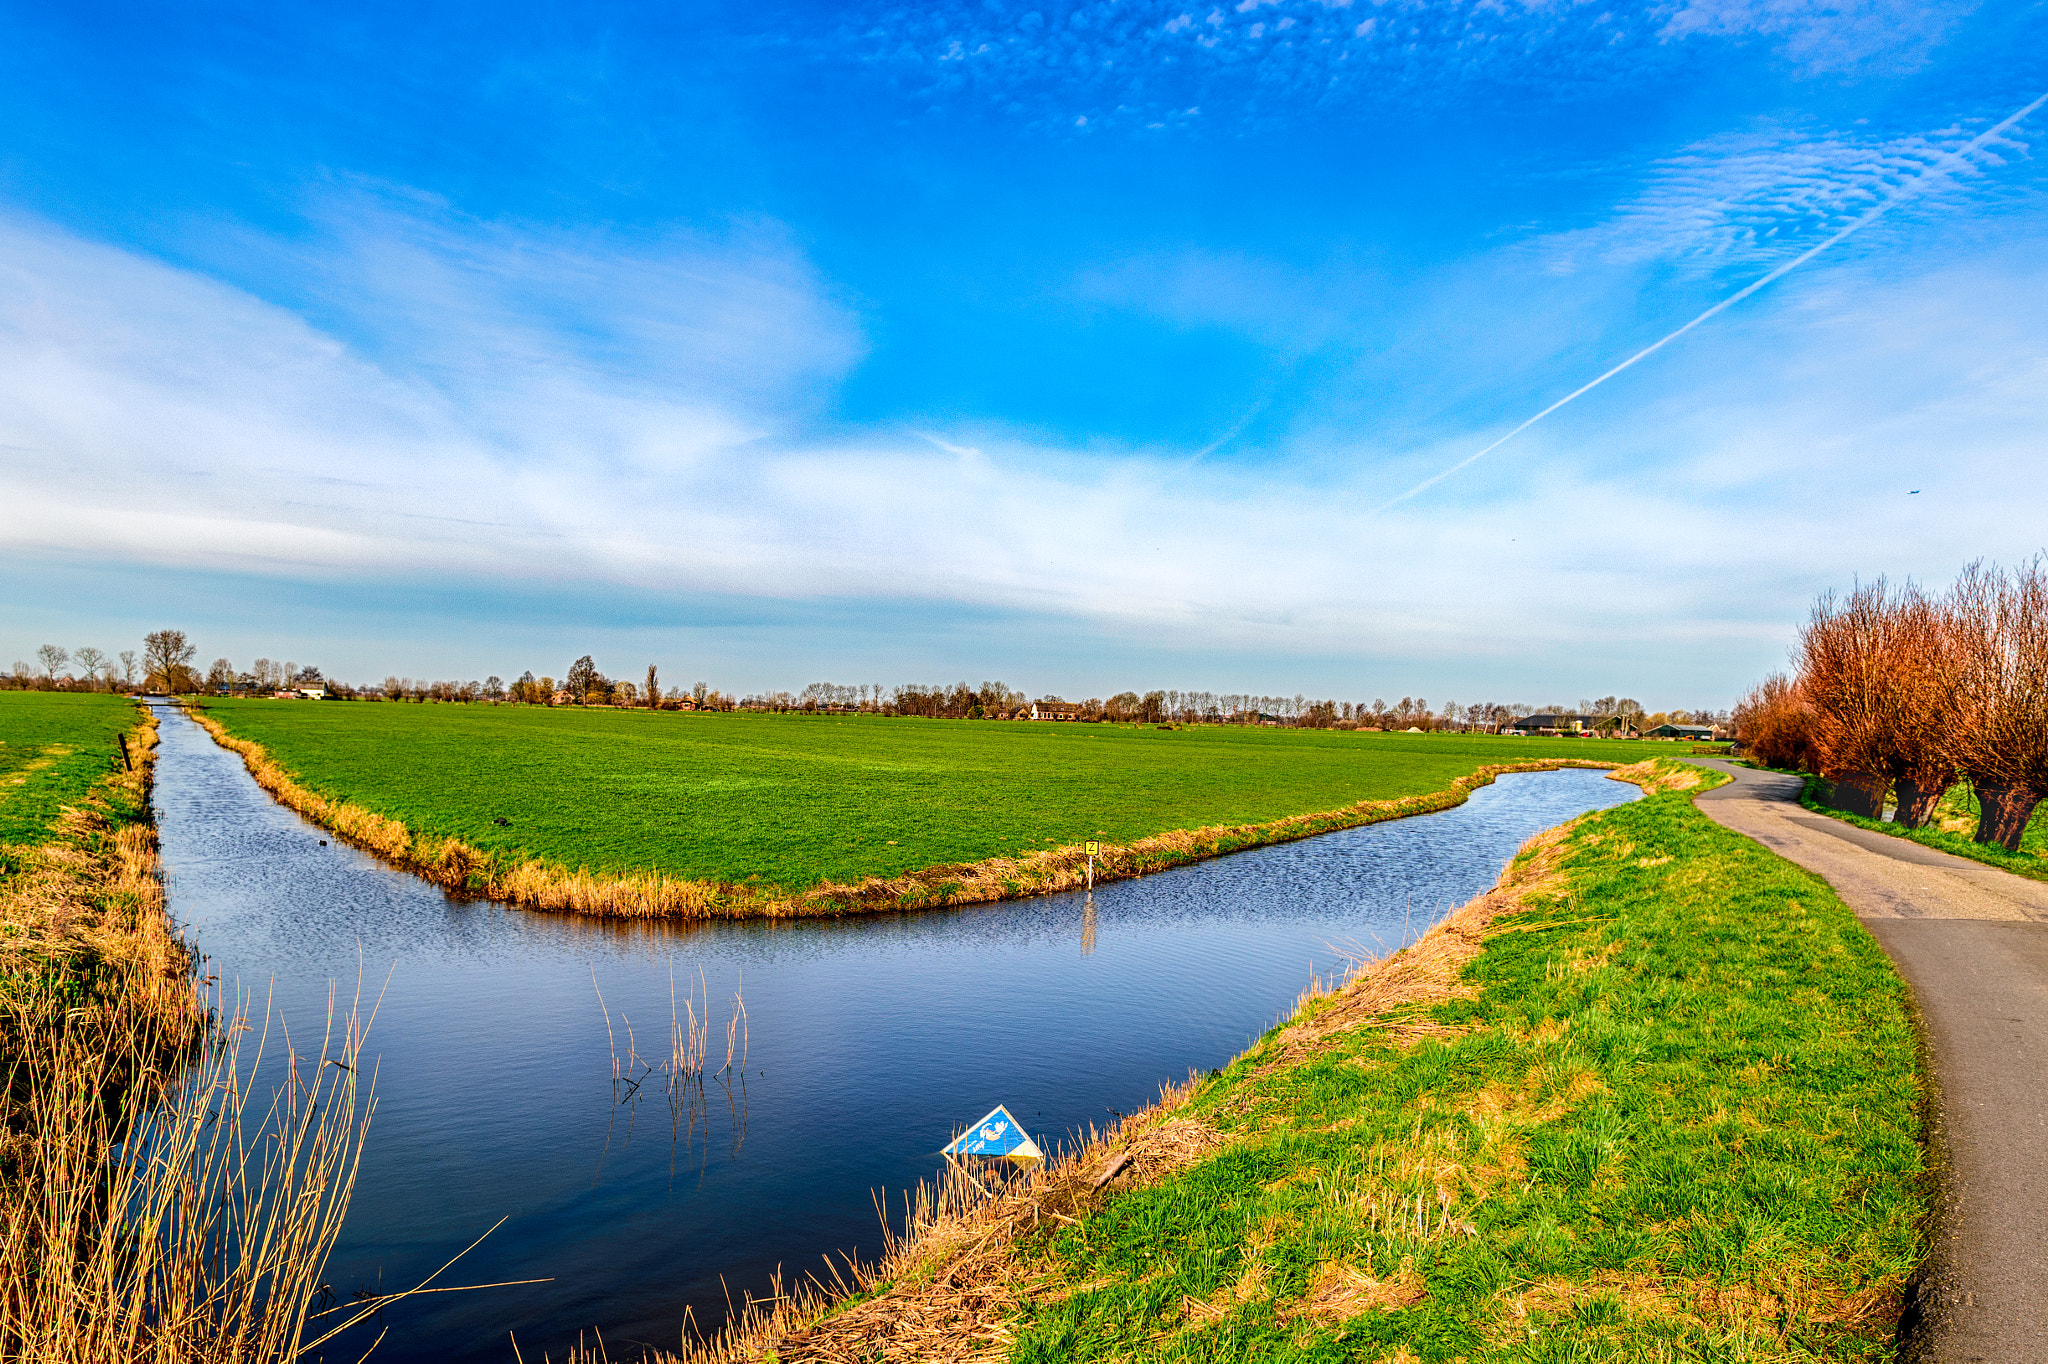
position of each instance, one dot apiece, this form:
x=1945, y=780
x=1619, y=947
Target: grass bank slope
x=81, y=907
x=847, y=813
x=53, y=747
x=1654, y=1097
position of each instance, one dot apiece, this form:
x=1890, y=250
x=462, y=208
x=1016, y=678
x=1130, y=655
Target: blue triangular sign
x=998, y=1134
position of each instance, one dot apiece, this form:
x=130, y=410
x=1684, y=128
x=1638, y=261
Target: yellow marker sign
x=1094, y=849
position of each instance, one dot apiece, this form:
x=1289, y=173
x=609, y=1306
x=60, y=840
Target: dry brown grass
x=1344, y=1291
x=89, y=901
x=465, y=869
x=1654, y=775
x=154, y=1207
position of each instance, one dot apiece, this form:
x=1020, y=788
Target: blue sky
x=1083, y=346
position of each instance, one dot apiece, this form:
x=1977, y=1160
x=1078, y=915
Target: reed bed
x=467, y=870
x=173, y=1212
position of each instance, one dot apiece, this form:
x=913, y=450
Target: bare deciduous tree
x=52, y=658
x=167, y=658
x=91, y=662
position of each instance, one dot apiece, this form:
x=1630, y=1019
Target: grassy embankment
x=1654, y=1097
x=640, y=813
x=81, y=909
x=141, y=1218
x=1951, y=830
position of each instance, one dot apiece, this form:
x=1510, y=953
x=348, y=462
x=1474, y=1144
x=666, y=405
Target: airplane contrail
x=1897, y=197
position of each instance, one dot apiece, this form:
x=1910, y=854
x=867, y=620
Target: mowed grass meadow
x=1669, y=1112
x=790, y=800
x=53, y=747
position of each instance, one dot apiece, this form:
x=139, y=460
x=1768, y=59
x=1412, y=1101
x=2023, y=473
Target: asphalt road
x=1972, y=941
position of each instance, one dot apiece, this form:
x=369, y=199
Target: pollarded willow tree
x=1879, y=672
x=1929, y=665
x=2000, y=739
x=1774, y=724
x=1845, y=674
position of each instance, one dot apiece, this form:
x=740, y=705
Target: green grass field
x=57, y=915
x=53, y=747
x=788, y=801
x=1676, y=1118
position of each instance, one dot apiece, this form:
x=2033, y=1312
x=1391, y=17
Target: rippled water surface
x=869, y=1041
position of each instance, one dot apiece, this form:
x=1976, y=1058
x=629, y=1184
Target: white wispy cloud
x=1757, y=197
x=149, y=415
x=1151, y=64
x=1864, y=36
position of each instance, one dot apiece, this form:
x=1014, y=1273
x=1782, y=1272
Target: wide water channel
x=869, y=1041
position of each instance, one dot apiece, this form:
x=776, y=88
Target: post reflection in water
x=859, y=1046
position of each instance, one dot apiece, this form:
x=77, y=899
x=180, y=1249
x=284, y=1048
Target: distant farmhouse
x=1049, y=710
x=1555, y=724
x=1701, y=732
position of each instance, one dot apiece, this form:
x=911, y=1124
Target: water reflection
x=524, y=1072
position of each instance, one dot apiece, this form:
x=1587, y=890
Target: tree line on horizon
x=164, y=663
x=1900, y=694
x=167, y=664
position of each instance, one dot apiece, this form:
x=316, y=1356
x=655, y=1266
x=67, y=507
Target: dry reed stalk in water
x=688, y=1035
x=164, y=1218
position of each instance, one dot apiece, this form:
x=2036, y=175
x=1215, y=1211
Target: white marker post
x=1093, y=848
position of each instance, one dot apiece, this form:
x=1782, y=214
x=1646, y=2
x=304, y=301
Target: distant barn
x=1701, y=732
x=1555, y=724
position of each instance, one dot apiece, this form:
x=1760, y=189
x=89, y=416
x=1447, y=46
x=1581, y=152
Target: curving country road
x=1972, y=941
